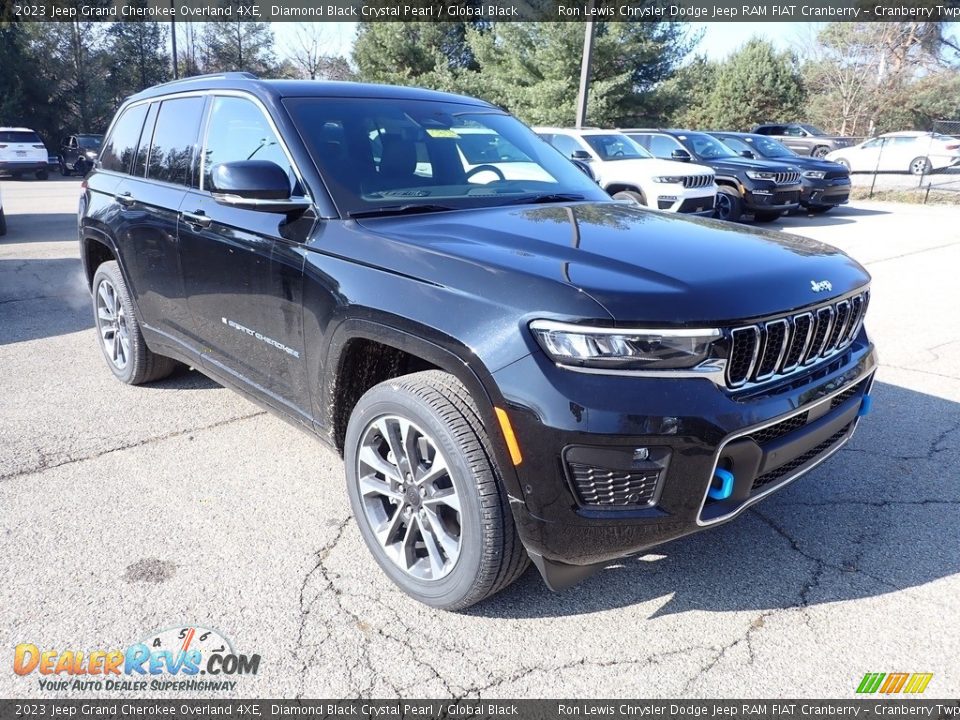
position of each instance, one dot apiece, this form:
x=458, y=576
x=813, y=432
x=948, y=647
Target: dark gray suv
x=803, y=139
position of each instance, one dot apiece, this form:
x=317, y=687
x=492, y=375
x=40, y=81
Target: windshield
x=90, y=142
x=615, y=146
x=706, y=147
x=767, y=148
x=384, y=152
x=812, y=129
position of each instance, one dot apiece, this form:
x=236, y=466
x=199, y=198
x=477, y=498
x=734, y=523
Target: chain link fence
x=910, y=161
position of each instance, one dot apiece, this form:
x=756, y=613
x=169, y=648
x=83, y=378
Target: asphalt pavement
x=129, y=510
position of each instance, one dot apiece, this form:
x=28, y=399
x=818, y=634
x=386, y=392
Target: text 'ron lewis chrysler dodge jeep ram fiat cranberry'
x=513, y=365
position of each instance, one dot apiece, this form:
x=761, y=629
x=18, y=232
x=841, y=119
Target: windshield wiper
x=411, y=209
x=545, y=198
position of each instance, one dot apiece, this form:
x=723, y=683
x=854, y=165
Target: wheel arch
x=616, y=187
x=362, y=353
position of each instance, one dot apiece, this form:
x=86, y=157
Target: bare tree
x=309, y=52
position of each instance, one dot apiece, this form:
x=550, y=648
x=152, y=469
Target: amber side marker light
x=509, y=436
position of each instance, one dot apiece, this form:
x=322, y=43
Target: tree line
x=849, y=78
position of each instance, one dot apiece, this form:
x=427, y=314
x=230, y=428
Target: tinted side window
x=736, y=144
x=662, y=146
x=140, y=163
x=174, y=138
x=238, y=130
x=119, y=149
x=566, y=144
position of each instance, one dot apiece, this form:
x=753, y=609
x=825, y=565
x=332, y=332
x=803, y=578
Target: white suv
x=3, y=218
x=628, y=172
x=22, y=151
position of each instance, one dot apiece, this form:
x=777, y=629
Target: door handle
x=197, y=218
x=126, y=199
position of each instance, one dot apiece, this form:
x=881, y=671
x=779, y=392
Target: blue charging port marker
x=726, y=485
x=865, y=406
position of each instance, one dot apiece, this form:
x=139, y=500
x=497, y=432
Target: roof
x=906, y=133
x=301, y=88
x=16, y=129
x=669, y=131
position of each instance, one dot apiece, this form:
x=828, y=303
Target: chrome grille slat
x=697, y=181
x=780, y=346
x=788, y=178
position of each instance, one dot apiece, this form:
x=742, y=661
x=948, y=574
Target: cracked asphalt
x=128, y=510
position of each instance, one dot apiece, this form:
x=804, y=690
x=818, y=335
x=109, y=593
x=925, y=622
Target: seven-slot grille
x=788, y=178
x=780, y=346
x=697, y=181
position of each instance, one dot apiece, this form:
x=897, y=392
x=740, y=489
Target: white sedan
x=918, y=153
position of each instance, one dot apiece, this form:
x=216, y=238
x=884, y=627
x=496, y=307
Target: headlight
x=623, y=349
x=814, y=174
x=668, y=179
x=91, y=154
x=761, y=175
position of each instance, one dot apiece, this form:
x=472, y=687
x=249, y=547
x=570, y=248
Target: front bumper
x=678, y=430
x=825, y=193
x=689, y=201
x=22, y=166
x=769, y=197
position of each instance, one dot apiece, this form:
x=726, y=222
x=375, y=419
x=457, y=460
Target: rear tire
x=64, y=170
x=632, y=196
x=765, y=217
x=920, y=166
x=118, y=331
x=729, y=204
x=443, y=533
x=820, y=151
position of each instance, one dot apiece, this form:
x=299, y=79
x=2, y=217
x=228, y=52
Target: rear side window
x=118, y=152
x=19, y=136
x=174, y=139
x=238, y=130
x=566, y=144
x=662, y=146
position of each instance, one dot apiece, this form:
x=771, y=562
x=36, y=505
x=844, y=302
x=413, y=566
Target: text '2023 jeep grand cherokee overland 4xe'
x=511, y=368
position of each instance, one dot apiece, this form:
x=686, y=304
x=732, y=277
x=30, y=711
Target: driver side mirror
x=585, y=169
x=581, y=155
x=747, y=154
x=681, y=155
x=254, y=185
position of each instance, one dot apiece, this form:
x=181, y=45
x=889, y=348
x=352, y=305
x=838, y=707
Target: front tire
x=920, y=166
x=426, y=492
x=64, y=170
x=729, y=204
x=631, y=196
x=118, y=331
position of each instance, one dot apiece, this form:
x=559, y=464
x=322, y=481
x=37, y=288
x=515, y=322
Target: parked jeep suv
x=77, y=153
x=763, y=188
x=803, y=139
x=512, y=369
x=825, y=184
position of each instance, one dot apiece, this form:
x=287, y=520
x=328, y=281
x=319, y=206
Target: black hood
x=640, y=265
x=739, y=164
x=811, y=163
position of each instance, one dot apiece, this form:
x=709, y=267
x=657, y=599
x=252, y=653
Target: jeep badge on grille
x=820, y=286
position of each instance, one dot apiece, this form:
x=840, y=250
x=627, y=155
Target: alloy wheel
x=723, y=206
x=409, y=498
x=112, y=325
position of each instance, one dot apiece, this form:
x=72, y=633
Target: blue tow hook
x=726, y=485
x=865, y=406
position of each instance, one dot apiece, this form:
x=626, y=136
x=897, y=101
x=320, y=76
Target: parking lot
x=129, y=510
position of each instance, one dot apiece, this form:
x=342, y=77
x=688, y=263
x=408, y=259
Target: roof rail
x=212, y=76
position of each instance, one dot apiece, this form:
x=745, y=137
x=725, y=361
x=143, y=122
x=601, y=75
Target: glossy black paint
x=831, y=190
x=757, y=195
x=270, y=303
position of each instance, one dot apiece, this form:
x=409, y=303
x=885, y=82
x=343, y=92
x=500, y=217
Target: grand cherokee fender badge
x=820, y=286
x=261, y=338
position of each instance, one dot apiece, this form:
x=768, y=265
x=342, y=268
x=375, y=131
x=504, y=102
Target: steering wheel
x=618, y=153
x=492, y=168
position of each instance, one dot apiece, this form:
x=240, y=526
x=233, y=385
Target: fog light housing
x=616, y=478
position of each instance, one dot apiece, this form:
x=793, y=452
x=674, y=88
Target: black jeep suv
x=513, y=366
x=765, y=189
x=825, y=184
x=77, y=153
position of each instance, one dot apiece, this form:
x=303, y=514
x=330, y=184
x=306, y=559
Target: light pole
x=173, y=38
x=585, y=69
